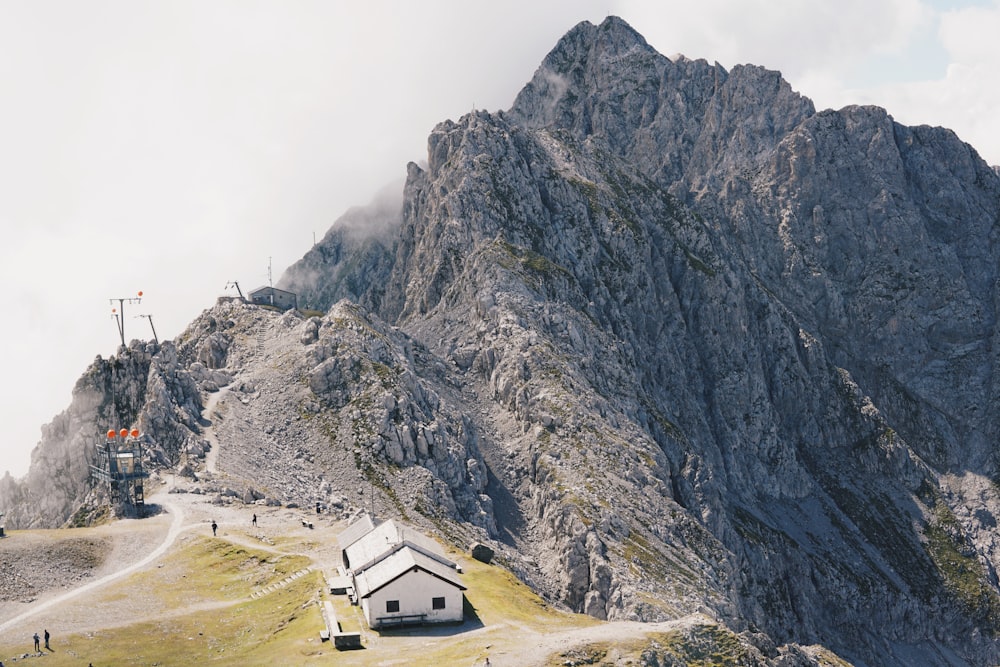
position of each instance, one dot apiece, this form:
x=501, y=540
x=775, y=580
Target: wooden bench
x=400, y=620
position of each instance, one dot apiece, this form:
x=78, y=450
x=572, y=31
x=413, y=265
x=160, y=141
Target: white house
x=400, y=576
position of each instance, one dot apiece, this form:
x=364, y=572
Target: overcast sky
x=174, y=146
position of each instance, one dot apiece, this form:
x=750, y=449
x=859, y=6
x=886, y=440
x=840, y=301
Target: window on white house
x=391, y=605
x=437, y=603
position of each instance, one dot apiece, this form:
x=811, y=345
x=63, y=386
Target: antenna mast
x=119, y=313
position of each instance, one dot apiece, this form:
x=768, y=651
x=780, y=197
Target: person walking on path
x=254, y=522
x=215, y=527
x=47, y=641
x=37, y=650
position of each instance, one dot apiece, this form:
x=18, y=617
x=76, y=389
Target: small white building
x=400, y=576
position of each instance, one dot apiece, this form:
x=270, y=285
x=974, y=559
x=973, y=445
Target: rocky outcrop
x=141, y=387
x=686, y=295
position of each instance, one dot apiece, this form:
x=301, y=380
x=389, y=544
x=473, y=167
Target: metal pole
x=121, y=329
x=150, y=318
x=120, y=315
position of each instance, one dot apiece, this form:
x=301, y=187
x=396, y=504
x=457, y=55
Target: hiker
x=215, y=527
x=37, y=650
x=47, y=640
x=254, y=522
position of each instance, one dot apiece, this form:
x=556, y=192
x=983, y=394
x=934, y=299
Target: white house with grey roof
x=400, y=576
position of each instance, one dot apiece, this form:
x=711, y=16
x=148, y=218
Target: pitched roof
x=355, y=532
x=268, y=288
x=396, y=565
x=383, y=540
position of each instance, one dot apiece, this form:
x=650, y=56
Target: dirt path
x=176, y=526
x=212, y=457
x=535, y=648
x=68, y=604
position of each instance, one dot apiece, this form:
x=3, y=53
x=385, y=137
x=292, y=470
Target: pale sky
x=173, y=146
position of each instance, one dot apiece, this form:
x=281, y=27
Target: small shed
x=272, y=296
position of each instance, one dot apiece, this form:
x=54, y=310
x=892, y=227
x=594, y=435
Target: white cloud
x=965, y=96
x=791, y=35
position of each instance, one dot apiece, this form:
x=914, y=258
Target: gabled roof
x=267, y=288
x=355, y=532
x=384, y=540
x=399, y=563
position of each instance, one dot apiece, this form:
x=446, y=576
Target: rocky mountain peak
x=585, y=58
x=668, y=338
x=680, y=121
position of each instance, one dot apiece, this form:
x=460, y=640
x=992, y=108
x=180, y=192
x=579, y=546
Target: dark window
x=437, y=603
x=391, y=605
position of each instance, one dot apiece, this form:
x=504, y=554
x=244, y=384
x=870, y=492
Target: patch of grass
x=202, y=621
x=497, y=596
x=697, y=264
x=884, y=527
x=704, y=645
x=650, y=562
x=534, y=262
x=278, y=629
x=90, y=515
x=700, y=646
x=963, y=574
x=216, y=569
x=591, y=654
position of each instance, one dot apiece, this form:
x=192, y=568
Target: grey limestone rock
x=664, y=336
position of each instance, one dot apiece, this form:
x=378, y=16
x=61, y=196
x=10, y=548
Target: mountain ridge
x=669, y=335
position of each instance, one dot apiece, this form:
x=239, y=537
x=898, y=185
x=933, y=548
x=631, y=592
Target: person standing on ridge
x=37, y=650
x=47, y=640
x=215, y=527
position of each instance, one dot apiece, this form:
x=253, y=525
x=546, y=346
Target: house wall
x=282, y=299
x=414, y=590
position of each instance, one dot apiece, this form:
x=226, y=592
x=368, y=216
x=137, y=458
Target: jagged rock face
x=352, y=259
x=141, y=387
x=681, y=284
x=675, y=339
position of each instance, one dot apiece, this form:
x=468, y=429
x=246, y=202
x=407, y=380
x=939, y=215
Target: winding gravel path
x=176, y=526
